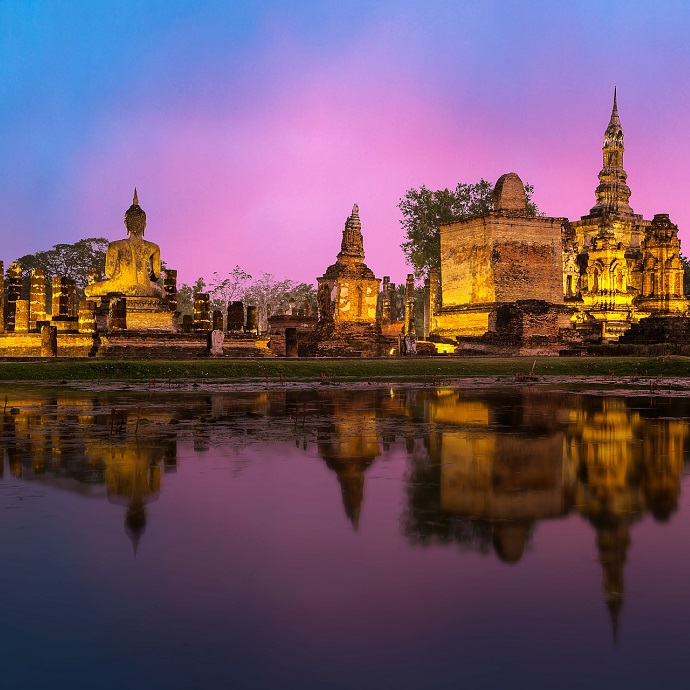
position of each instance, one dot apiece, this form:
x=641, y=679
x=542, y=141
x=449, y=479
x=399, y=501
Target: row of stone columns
x=28, y=315
x=206, y=320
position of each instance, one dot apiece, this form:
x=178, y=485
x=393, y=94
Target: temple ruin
x=511, y=283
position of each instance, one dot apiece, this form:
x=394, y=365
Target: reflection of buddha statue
x=131, y=265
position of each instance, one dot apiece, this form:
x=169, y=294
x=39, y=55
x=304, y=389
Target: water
x=387, y=538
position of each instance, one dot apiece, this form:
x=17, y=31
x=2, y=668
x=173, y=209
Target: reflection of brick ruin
x=599, y=458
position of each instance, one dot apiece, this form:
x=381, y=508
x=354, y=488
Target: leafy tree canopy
x=69, y=260
x=424, y=210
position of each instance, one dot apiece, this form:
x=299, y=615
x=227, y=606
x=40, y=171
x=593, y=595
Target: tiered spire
x=352, y=244
x=613, y=193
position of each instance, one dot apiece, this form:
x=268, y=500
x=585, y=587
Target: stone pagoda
x=347, y=299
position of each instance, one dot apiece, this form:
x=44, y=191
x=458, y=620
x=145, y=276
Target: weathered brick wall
x=501, y=259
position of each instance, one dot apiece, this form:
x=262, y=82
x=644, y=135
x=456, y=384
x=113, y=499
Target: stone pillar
x=252, y=321
x=118, y=314
x=21, y=316
x=235, y=316
x=386, y=300
x=409, y=305
x=187, y=323
x=64, y=298
x=427, y=311
x=38, y=298
x=393, y=299
x=434, y=294
x=14, y=292
x=291, y=347
x=170, y=287
x=202, y=312
x=48, y=341
x=217, y=320
x=87, y=317
x=2, y=297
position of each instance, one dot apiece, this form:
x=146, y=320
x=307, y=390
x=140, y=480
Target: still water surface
x=343, y=539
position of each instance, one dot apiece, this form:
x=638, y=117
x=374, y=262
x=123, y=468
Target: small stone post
x=202, y=312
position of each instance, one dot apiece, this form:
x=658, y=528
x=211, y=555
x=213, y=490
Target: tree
x=277, y=297
x=424, y=210
x=225, y=290
x=185, y=295
x=69, y=260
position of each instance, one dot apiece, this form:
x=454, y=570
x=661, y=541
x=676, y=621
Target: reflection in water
x=484, y=468
x=495, y=467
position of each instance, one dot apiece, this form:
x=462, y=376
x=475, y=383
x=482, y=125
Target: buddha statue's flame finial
x=135, y=200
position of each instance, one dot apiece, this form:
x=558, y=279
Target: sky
x=251, y=128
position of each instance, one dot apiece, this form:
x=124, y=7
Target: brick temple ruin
x=509, y=284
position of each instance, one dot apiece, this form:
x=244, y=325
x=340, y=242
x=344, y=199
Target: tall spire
x=613, y=193
x=135, y=200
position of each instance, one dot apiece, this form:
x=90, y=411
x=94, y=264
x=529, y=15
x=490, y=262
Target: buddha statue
x=131, y=265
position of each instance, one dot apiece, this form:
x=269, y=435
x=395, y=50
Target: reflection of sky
x=252, y=126
x=257, y=578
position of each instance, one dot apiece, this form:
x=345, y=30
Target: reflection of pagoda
x=349, y=446
x=502, y=465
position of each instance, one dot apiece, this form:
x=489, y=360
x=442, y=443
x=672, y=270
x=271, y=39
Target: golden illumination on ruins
x=541, y=282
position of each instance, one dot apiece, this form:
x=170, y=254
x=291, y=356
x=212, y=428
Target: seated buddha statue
x=131, y=265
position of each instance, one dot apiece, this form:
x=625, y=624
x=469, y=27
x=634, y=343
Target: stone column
x=217, y=320
x=48, y=341
x=252, y=321
x=61, y=298
x=427, y=310
x=118, y=314
x=187, y=323
x=291, y=345
x=409, y=305
x=38, y=297
x=2, y=297
x=21, y=316
x=386, y=300
x=434, y=295
x=14, y=292
x=235, y=316
x=170, y=287
x=202, y=312
x=393, y=299
x=87, y=317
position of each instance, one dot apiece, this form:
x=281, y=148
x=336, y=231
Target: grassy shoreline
x=413, y=369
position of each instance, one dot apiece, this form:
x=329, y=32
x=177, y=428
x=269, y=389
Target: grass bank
x=411, y=369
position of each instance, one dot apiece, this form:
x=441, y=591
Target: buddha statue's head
x=135, y=218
